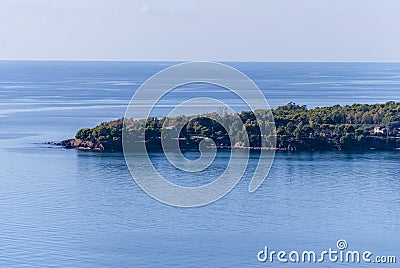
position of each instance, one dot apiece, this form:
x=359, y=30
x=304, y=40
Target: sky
x=206, y=30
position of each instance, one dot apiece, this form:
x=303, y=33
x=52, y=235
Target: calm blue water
x=65, y=208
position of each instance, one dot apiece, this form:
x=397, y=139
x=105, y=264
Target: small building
x=379, y=130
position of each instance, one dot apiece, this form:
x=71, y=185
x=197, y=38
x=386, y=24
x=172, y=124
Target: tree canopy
x=357, y=126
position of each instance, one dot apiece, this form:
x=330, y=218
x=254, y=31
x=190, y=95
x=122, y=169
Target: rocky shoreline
x=81, y=145
x=377, y=145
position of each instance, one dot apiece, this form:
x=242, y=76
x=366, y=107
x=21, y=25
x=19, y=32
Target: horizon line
x=179, y=61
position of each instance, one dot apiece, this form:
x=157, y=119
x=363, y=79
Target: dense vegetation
x=350, y=127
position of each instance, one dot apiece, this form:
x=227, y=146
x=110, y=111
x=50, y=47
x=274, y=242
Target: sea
x=68, y=208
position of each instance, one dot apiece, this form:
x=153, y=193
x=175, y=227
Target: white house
x=379, y=130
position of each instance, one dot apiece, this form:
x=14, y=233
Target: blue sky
x=219, y=30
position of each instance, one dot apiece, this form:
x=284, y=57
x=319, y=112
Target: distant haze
x=222, y=30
